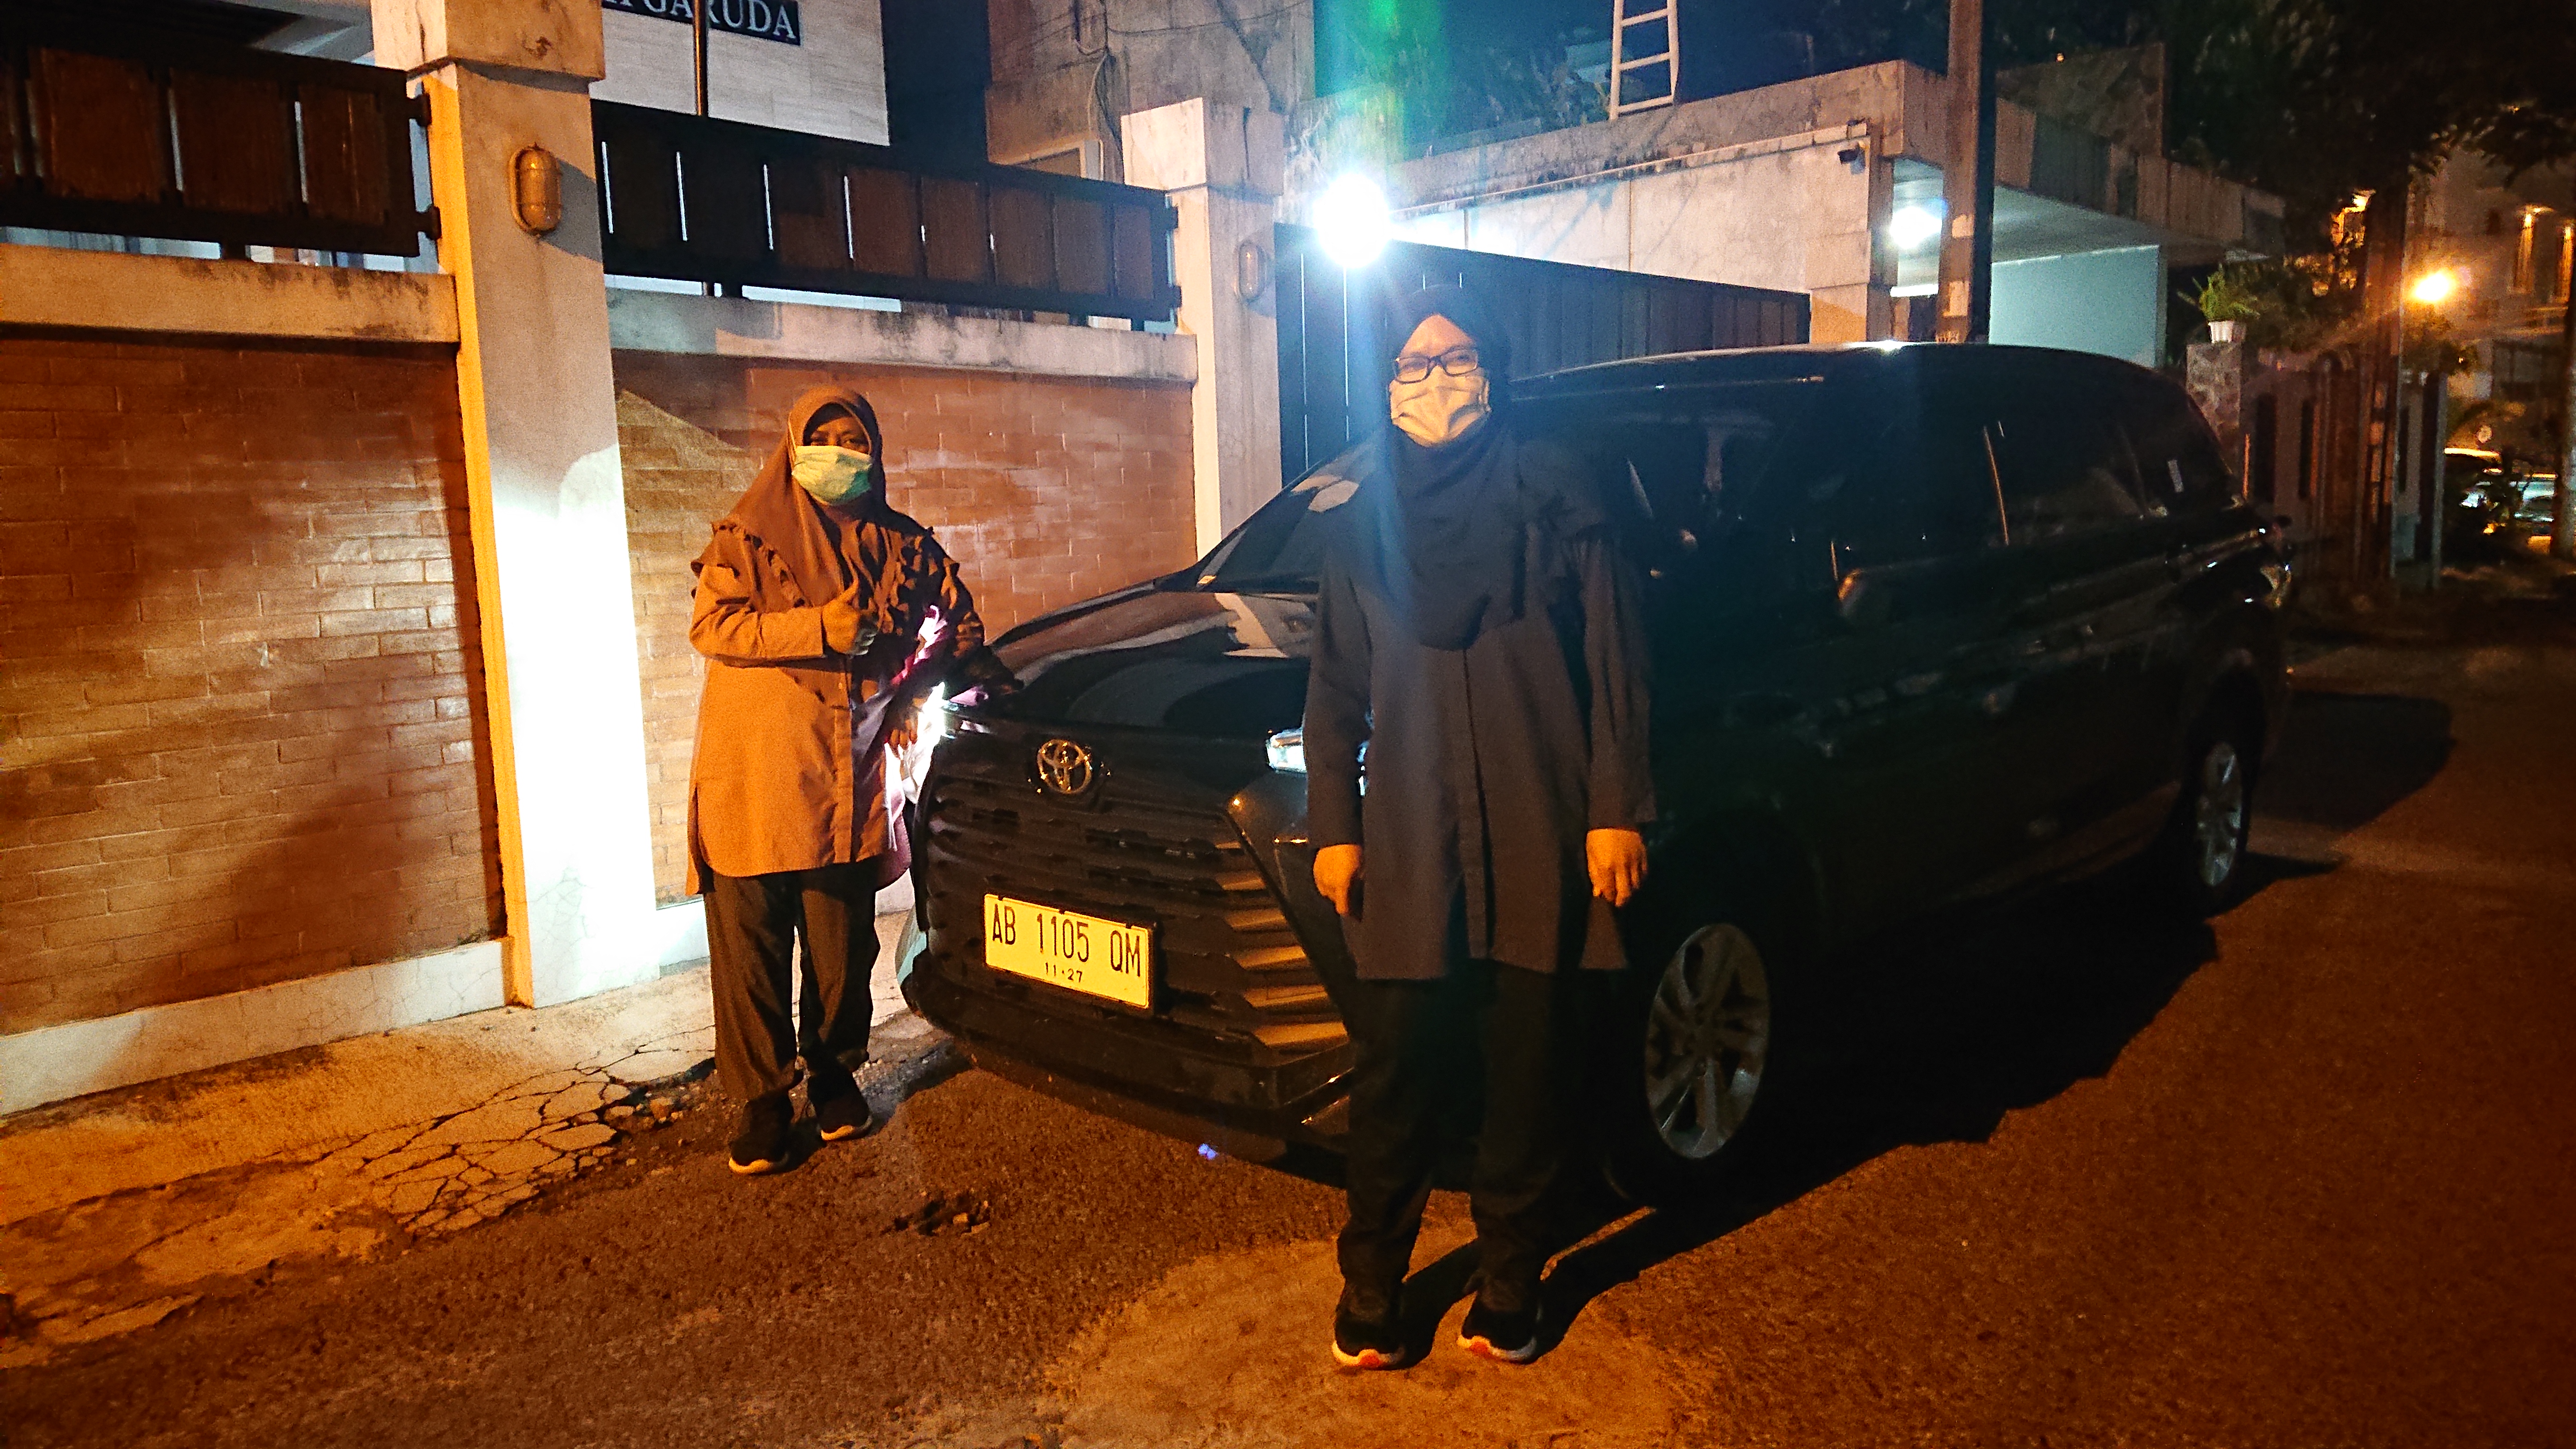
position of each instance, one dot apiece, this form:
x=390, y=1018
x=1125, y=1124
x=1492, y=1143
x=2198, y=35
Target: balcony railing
x=699, y=200
x=132, y=134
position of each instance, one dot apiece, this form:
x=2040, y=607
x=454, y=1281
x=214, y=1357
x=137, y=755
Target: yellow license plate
x=1108, y=959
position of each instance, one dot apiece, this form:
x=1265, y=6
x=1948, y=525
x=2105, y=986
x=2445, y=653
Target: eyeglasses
x=1457, y=362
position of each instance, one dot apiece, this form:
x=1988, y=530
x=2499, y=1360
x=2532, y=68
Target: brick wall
x=239, y=688
x=1047, y=490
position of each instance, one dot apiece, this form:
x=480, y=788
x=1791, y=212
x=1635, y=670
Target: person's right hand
x=1337, y=875
x=844, y=632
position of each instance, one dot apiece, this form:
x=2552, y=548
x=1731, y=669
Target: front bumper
x=1154, y=1080
x=1244, y=1050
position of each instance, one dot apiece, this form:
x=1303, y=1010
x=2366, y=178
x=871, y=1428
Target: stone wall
x=1048, y=490
x=240, y=692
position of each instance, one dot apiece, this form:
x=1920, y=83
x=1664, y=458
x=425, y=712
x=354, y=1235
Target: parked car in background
x=1929, y=624
x=2535, y=521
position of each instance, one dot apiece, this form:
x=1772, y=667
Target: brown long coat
x=790, y=771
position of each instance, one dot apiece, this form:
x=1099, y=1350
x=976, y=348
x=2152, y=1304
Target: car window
x=1910, y=478
x=2180, y=469
x=1282, y=546
x=1690, y=464
x=2064, y=465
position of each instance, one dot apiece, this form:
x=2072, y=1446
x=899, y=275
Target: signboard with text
x=777, y=20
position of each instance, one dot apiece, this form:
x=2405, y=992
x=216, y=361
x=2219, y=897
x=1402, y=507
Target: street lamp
x=2434, y=287
x=1354, y=221
x=1913, y=226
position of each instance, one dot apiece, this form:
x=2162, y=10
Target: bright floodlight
x=2435, y=287
x=1353, y=220
x=1912, y=226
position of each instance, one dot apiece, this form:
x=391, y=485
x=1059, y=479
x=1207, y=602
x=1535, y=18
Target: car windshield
x=1282, y=546
x=1671, y=455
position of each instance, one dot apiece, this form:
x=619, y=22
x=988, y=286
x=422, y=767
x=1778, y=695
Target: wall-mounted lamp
x=536, y=190
x=1251, y=271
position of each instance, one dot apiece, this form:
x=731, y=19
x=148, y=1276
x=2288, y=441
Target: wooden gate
x=1333, y=326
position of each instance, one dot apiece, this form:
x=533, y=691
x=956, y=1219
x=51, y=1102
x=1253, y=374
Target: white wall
x=832, y=85
x=2110, y=302
x=1786, y=214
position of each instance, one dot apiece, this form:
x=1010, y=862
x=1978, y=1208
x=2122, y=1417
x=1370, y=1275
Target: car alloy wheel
x=2218, y=817
x=1707, y=1039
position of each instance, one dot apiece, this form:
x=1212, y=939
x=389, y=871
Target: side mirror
x=1863, y=601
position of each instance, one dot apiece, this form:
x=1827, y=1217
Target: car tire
x=2199, y=861
x=1686, y=1059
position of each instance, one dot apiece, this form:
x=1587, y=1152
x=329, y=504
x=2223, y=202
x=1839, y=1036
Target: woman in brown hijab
x=827, y=617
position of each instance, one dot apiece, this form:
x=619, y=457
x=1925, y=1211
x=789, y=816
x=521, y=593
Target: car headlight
x=930, y=724
x=929, y=727
x=1287, y=751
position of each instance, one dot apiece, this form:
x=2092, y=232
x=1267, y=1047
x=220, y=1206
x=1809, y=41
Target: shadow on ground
x=2346, y=758
x=1937, y=1039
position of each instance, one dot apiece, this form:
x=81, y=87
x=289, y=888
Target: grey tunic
x=1486, y=766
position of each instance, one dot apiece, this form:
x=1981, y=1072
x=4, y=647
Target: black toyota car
x=1929, y=624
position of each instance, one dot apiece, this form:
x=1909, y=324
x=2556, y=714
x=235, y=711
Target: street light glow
x=2435, y=287
x=1912, y=226
x=1353, y=219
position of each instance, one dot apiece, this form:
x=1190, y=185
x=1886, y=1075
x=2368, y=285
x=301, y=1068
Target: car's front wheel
x=2201, y=858
x=1687, y=1057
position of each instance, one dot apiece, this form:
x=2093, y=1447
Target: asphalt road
x=2085, y=1175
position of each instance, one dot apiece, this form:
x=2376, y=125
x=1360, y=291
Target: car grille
x=1230, y=962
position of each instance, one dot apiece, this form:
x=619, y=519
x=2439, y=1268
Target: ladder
x=1645, y=55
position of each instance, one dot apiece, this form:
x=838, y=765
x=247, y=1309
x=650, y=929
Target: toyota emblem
x=1064, y=767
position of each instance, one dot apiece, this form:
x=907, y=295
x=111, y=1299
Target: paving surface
x=2082, y=1175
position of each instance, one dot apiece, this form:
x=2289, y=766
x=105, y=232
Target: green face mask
x=833, y=475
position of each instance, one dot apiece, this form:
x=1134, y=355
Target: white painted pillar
x=548, y=500
x=1221, y=164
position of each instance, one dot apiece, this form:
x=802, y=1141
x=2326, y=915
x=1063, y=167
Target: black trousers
x=1422, y=1047
x=752, y=922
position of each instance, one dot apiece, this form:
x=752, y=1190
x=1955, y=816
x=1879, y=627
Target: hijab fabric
x=784, y=523
x=1456, y=514
x=794, y=544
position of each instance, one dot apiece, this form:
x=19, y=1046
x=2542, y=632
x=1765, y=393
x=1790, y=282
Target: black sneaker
x=1367, y=1333
x=841, y=1110
x=1504, y=1337
x=760, y=1144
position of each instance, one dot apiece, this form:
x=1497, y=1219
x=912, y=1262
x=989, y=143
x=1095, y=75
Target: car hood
x=1210, y=665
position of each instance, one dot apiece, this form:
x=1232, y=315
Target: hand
x=1337, y=875
x=844, y=632
x=1617, y=861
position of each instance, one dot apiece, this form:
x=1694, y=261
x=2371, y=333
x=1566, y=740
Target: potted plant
x=2227, y=304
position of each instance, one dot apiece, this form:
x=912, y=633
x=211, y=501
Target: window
x=2179, y=467
x=1915, y=481
x=2065, y=468
x=2307, y=476
x=2266, y=445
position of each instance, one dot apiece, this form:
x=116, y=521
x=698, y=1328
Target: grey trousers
x=752, y=924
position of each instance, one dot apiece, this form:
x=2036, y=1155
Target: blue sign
x=777, y=20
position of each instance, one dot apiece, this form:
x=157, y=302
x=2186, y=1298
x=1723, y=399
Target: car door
x=2091, y=597
x=1916, y=673
x=2201, y=538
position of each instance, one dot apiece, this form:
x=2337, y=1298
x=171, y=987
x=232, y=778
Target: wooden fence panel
x=236, y=138
x=121, y=131
x=767, y=207
x=885, y=222
x=107, y=141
